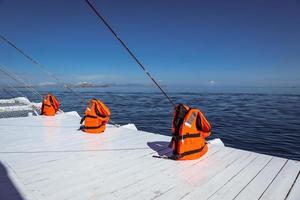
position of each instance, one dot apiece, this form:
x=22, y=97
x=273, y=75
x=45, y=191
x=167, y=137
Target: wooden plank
x=175, y=187
x=43, y=155
x=89, y=168
x=77, y=143
x=283, y=182
x=86, y=166
x=85, y=161
x=56, y=161
x=206, y=189
x=127, y=179
x=78, y=147
x=237, y=183
x=126, y=176
x=177, y=174
x=294, y=193
x=255, y=188
x=42, y=141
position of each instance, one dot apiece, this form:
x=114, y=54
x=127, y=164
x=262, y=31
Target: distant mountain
x=88, y=85
x=85, y=84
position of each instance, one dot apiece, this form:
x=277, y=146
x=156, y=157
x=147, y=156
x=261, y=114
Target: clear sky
x=192, y=42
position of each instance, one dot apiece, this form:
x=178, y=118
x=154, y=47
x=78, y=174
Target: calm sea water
x=262, y=121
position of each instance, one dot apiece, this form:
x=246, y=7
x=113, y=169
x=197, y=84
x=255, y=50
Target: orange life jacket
x=50, y=105
x=189, y=130
x=96, y=117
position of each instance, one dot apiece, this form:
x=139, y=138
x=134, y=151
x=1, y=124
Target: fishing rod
x=128, y=50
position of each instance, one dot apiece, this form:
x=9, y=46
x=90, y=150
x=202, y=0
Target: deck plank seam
x=65, y=138
x=174, y=187
x=238, y=158
x=178, y=172
x=144, y=156
x=273, y=179
x=228, y=165
x=234, y=176
x=287, y=195
x=162, y=170
x=203, y=158
x=141, y=156
x=253, y=178
x=155, y=197
x=73, y=151
x=143, y=178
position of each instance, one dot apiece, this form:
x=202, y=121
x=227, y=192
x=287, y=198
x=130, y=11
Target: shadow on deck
x=158, y=146
x=8, y=191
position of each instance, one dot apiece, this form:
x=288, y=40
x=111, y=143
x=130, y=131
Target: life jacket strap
x=92, y=127
x=85, y=116
x=188, y=135
x=91, y=116
x=82, y=119
x=98, y=113
x=178, y=156
x=42, y=108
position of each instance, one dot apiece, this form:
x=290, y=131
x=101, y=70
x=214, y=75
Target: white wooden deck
x=47, y=158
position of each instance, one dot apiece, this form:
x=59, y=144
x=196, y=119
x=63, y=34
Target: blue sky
x=233, y=43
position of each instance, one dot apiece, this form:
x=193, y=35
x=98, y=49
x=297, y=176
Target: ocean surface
x=257, y=119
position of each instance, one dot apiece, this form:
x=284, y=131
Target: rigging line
x=12, y=87
x=128, y=50
x=20, y=93
x=18, y=80
x=41, y=67
x=35, y=108
x=7, y=92
x=17, y=91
